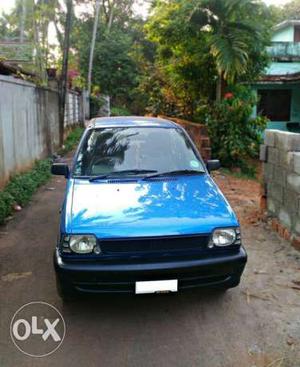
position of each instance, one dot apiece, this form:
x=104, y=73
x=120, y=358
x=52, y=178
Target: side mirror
x=213, y=165
x=61, y=169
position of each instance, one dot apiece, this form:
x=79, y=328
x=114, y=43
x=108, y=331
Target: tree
x=233, y=27
x=182, y=63
x=114, y=68
x=29, y=21
x=291, y=10
x=201, y=44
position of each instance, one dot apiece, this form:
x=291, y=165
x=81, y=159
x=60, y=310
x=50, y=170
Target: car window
x=107, y=150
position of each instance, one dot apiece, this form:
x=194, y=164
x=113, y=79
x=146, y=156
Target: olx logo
x=37, y=329
x=33, y=329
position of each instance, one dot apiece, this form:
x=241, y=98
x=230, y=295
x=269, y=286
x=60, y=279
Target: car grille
x=159, y=244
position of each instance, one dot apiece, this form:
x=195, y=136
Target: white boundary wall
x=29, y=123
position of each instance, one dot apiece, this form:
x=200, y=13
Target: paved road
x=257, y=324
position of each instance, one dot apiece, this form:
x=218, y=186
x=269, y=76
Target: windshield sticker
x=194, y=164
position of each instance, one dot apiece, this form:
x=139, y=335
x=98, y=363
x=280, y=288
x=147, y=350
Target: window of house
x=275, y=104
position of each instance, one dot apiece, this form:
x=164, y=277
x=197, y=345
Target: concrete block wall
x=73, y=109
x=280, y=155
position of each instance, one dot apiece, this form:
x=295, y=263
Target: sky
x=6, y=5
x=276, y=2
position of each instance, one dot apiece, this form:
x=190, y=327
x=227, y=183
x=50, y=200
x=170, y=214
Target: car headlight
x=224, y=237
x=80, y=244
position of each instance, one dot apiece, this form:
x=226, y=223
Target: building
x=279, y=88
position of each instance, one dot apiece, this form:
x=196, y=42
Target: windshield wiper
x=125, y=171
x=175, y=173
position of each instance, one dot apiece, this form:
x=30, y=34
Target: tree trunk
x=219, y=89
x=64, y=73
x=221, y=85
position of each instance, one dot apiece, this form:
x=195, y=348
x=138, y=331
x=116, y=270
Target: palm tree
x=231, y=28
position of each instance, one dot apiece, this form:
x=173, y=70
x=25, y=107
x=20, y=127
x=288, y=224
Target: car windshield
x=135, y=151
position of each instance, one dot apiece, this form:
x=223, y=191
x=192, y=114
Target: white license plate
x=156, y=286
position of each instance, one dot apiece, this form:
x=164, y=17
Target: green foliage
x=22, y=186
x=6, y=203
x=34, y=19
x=291, y=10
x=235, y=135
x=198, y=44
x=95, y=104
x=120, y=111
x=115, y=69
x=72, y=139
x=235, y=30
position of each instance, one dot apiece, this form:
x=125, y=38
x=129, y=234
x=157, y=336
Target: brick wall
x=198, y=133
x=281, y=181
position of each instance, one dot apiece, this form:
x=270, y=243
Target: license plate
x=156, y=286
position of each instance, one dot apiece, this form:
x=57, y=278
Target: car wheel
x=64, y=292
x=233, y=282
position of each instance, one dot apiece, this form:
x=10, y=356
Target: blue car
x=142, y=214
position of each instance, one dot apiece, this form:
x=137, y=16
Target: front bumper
x=221, y=271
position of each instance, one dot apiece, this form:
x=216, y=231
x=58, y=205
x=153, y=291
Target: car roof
x=131, y=121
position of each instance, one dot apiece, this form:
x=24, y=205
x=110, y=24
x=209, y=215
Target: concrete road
x=256, y=324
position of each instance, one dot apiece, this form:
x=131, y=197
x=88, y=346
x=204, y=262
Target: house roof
x=282, y=72
x=283, y=68
x=131, y=121
x=7, y=68
x=286, y=23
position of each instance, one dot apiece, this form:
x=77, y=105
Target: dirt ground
x=255, y=324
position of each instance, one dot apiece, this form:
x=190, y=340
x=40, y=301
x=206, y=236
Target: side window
x=86, y=149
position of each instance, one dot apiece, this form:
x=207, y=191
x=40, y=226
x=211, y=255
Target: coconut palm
x=229, y=37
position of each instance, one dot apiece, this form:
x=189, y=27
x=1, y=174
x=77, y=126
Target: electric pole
x=23, y=18
x=64, y=72
x=97, y=10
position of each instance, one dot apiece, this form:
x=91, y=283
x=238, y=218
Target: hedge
x=22, y=186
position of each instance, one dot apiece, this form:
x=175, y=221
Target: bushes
x=235, y=135
x=22, y=186
x=120, y=111
x=72, y=140
x=6, y=203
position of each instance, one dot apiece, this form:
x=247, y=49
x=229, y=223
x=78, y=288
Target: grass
x=71, y=140
x=242, y=175
x=22, y=186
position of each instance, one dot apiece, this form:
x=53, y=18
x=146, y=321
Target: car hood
x=156, y=207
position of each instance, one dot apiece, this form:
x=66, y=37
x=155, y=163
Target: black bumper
x=222, y=271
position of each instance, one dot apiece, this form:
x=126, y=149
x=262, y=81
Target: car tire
x=232, y=283
x=65, y=293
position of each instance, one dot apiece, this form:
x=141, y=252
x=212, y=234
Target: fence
x=29, y=123
x=281, y=181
